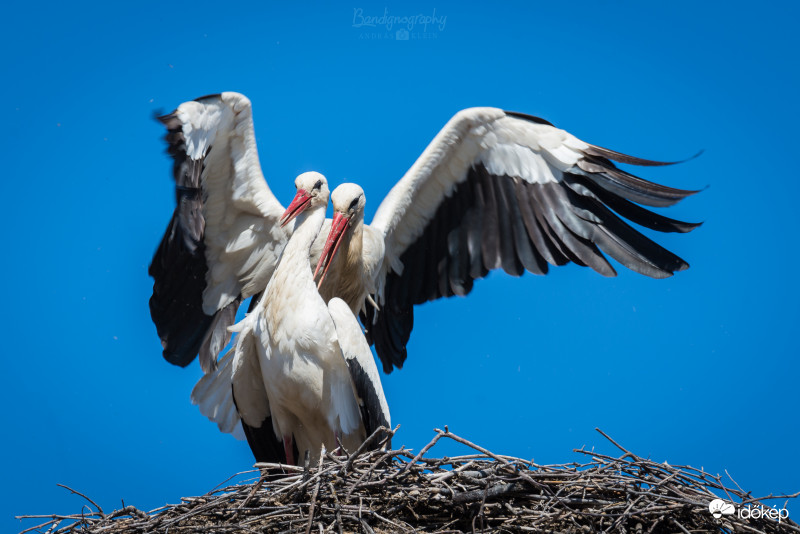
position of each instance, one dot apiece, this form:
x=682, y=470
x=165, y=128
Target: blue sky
x=699, y=369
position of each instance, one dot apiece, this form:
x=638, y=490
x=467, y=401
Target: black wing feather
x=511, y=263
x=627, y=209
x=531, y=260
x=264, y=444
x=370, y=407
x=179, y=267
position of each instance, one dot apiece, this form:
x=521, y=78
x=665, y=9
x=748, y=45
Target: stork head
x=348, y=208
x=312, y=190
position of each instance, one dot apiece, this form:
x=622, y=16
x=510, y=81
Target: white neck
x=294, y=261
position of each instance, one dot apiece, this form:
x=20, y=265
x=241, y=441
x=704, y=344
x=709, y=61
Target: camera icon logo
x=402, y=35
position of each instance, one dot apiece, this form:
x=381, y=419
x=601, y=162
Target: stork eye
x=318, y=185
x=354, y=203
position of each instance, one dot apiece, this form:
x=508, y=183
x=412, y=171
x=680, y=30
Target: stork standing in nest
x=301, y=368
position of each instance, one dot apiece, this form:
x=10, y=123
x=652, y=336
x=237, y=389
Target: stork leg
x=337, y=440
x=288, y=449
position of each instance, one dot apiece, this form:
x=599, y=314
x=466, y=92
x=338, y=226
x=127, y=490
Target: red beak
x=299, y=203
x=338, y=227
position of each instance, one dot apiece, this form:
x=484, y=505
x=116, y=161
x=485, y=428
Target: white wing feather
x=212, y=394
x=242, y=236
x=246, y=377
x=355, y=349
x=238, y=371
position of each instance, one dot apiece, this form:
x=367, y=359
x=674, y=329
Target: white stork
x=300, y=368
x=223, y=241
x=493, y=189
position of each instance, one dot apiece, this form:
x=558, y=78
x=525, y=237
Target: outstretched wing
x=499, y=189
x=360, y=363
x=223, y=241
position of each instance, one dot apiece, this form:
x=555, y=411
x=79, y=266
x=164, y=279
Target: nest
x=397, y=491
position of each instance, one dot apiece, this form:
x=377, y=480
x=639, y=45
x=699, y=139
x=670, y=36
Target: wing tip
x=687, y=227
x=529, y=118
x=619, y=157
x=395, y=359
x=682, y=265
x=177, y=358
x=162, y=117
x=208, y=97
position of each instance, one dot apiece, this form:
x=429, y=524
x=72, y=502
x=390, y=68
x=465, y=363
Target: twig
x=75, y=492
x=316, y=492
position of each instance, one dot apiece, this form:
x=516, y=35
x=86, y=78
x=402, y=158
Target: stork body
x=319, y=384
x=306, y=378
